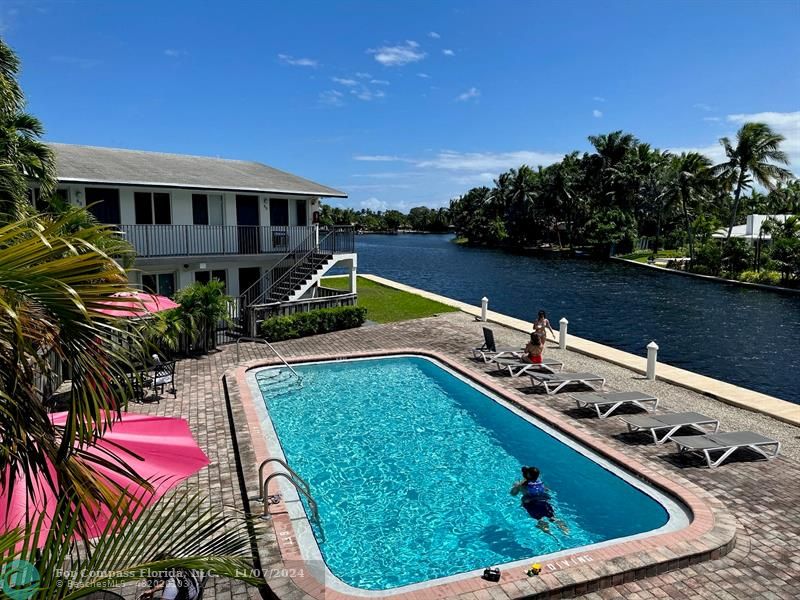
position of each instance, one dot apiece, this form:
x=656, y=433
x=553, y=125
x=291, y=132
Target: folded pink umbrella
x=161, y=450
x=136, y=304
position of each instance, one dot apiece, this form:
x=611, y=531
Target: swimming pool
x=411, y=465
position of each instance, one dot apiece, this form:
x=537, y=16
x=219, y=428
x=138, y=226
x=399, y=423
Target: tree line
x=626, y=190
x=420, y=218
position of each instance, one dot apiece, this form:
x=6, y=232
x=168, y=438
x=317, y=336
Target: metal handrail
x=291, y=269
x=311, y=502
x=271, y=347
x=288, y=254
x=282, y=463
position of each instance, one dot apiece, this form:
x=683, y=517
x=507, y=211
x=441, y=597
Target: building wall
x=181, y=203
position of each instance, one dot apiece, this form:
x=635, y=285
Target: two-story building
x=194, y=218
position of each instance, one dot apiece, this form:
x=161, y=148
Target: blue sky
x=408, y=102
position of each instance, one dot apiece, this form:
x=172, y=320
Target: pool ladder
x=271, y=347
x=300, y=484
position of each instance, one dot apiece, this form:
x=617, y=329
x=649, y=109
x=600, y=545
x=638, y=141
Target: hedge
x=303, y=324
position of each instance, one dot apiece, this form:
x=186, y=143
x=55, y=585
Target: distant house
x=752, y=229
x=195, y=218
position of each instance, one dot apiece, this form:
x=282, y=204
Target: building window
x=162, y=284
x=216, y=274
x=152, y=208
x=207, y=209
x=302, y=212
x=41, y=205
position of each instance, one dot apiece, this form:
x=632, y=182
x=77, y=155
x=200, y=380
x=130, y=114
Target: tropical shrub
x=708, y=259
x=323, y=320
x=737, y=255
x=202, y=307
x=763, y=276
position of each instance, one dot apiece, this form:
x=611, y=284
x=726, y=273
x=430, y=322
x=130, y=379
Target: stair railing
x=310, y=241
x=287, y=275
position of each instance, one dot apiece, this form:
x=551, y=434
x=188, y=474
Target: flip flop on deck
x=605, y=404
x=671, y=423
x=727, y=443
x=553, y=382
x=517, y=367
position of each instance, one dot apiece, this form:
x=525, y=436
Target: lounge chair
x=663, y=427
x=605, y=404
x=553, y=382
x=163, y=374
x=517, y=366
x=490, y=350
x=727, y=444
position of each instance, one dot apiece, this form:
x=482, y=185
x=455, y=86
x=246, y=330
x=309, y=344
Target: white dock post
x=652, y=357
x=562, y=333
x=484, y=308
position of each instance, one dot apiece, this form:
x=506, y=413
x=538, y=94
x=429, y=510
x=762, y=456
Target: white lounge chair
x=490, y=350
x=517, y=366
x=727, y=444
x=663, y=427
x=553, y=382
x=605, y=404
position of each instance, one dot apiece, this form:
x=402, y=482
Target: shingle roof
x=91, y=164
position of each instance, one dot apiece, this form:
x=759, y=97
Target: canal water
x=747, y=337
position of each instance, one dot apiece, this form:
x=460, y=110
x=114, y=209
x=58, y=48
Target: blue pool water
x=412, y=467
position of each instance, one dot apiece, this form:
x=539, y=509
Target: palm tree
x=23, y=158
x=54, y=284
x=757, y=148
x=690, y=181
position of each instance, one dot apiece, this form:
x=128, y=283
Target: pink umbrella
x=160, y=450
x=136, y=304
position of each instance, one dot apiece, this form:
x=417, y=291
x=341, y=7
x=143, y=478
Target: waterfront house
x=752, y=229
x=195, y=218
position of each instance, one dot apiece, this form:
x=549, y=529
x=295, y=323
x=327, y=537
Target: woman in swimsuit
x=534, y=349
x=541, y=325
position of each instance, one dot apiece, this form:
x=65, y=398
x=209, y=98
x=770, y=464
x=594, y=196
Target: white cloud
x=487, y=162
x=398, y=55
x=77, y=61
x=598, y=99
x=331, y=97
x=297, y=62
x=362, y=75
x=785, y=123
x=703, y=106
x=378, y=158
x=374, y=204
x=423, y=75
x=342, y=81
x=378, y=82
x=712, y=119
x=366, y=94
x=434, y=35
x=175, y=53
x=448, y=52
x=472, y=92
x=597, y=113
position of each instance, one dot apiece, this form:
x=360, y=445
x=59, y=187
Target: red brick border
x=710, y=534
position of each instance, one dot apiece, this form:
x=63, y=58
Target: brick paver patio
x=764, y=497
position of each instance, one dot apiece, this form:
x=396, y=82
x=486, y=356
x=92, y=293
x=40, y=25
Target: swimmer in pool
x=536, y=500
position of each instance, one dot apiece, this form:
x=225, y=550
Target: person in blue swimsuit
x=536, y=500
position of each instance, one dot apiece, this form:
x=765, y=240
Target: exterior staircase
x=292, y=276
x=296, y=281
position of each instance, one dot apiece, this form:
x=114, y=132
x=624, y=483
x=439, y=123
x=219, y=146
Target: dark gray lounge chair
x=727, y=444
x=605, y=404
x=517, y=366
x=553, y=382
x=663, y=427
x=490, y=350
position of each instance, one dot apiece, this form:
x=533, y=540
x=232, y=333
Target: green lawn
x=385, y=304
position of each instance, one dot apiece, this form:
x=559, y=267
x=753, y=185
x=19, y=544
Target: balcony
x=154, y=241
